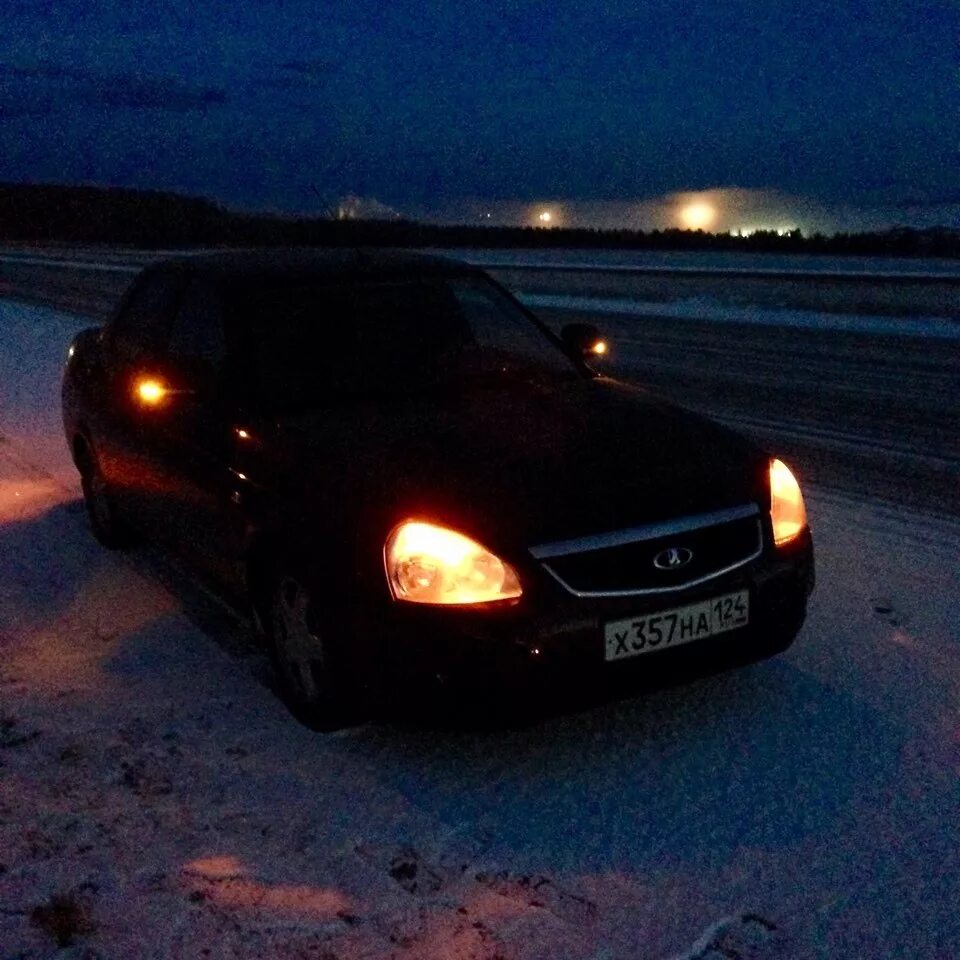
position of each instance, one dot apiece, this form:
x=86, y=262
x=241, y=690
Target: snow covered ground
x=157, y=801
x=699, y=260
x=703, y=309
x=733, y=261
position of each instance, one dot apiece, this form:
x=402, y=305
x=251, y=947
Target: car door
x=190, y=446
x=132, y=343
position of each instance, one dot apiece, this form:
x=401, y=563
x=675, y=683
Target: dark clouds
x=311, y=70
x=306, y=76
x=37, y=89
x=421, y=102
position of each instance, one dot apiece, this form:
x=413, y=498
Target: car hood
x=522, y=463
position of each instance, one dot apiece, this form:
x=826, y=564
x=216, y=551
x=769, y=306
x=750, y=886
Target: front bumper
x=551, y=639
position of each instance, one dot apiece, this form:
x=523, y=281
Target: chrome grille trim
x=653, y=531
x=620, y=538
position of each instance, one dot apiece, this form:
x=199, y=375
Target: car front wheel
x=305, y=658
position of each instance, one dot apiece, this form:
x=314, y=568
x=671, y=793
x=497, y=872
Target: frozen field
x=643, y=259
x=706, y=260
x=924, y=290
x=702, y=310
x=807, y=807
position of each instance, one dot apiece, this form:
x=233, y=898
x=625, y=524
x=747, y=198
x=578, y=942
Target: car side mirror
x=584, y=341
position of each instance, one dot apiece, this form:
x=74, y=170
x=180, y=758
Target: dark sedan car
x=405, y=476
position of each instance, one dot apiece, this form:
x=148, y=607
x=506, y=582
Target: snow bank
x=941, y=328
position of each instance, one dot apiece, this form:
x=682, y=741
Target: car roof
x=314, y=264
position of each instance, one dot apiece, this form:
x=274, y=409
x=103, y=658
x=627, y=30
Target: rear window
x=140, y=328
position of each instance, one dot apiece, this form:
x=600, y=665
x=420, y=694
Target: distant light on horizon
x=779, y=230
x=548, y=215
x=722, y=210
x=698, y=215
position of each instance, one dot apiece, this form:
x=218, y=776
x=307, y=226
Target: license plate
x=671, y=628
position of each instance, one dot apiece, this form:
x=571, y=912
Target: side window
x=196, y=335
x=507, y=339
x=139, y=330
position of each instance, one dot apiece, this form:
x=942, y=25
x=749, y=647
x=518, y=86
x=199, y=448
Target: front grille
x=623, y=562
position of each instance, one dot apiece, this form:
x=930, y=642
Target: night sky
x=421, y=104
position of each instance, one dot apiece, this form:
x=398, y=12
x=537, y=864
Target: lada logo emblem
x=672, y=558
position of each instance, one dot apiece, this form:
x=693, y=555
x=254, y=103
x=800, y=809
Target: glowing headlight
x=431, y=564
x=787, y=511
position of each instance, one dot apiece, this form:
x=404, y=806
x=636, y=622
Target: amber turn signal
x=150, y=392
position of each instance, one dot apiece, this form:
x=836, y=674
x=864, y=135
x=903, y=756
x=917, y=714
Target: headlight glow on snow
x=427, y=563
x=787, y=511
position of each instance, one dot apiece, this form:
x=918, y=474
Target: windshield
x=310, y=341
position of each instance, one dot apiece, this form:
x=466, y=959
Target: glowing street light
x=545, y=216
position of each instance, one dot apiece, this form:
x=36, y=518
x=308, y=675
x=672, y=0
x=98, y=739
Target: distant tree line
x=63, y=214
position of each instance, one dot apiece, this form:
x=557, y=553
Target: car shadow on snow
x=758, y=757
x=45, y=561
x=55, y=572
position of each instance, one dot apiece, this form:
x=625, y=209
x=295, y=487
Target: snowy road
x=865, y=403
x=807, y=807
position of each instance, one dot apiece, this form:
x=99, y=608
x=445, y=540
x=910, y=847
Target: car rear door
x=191, y=443
x=132, y=345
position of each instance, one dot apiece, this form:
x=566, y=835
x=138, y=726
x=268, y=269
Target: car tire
x=303, y=646
x=105, y=523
